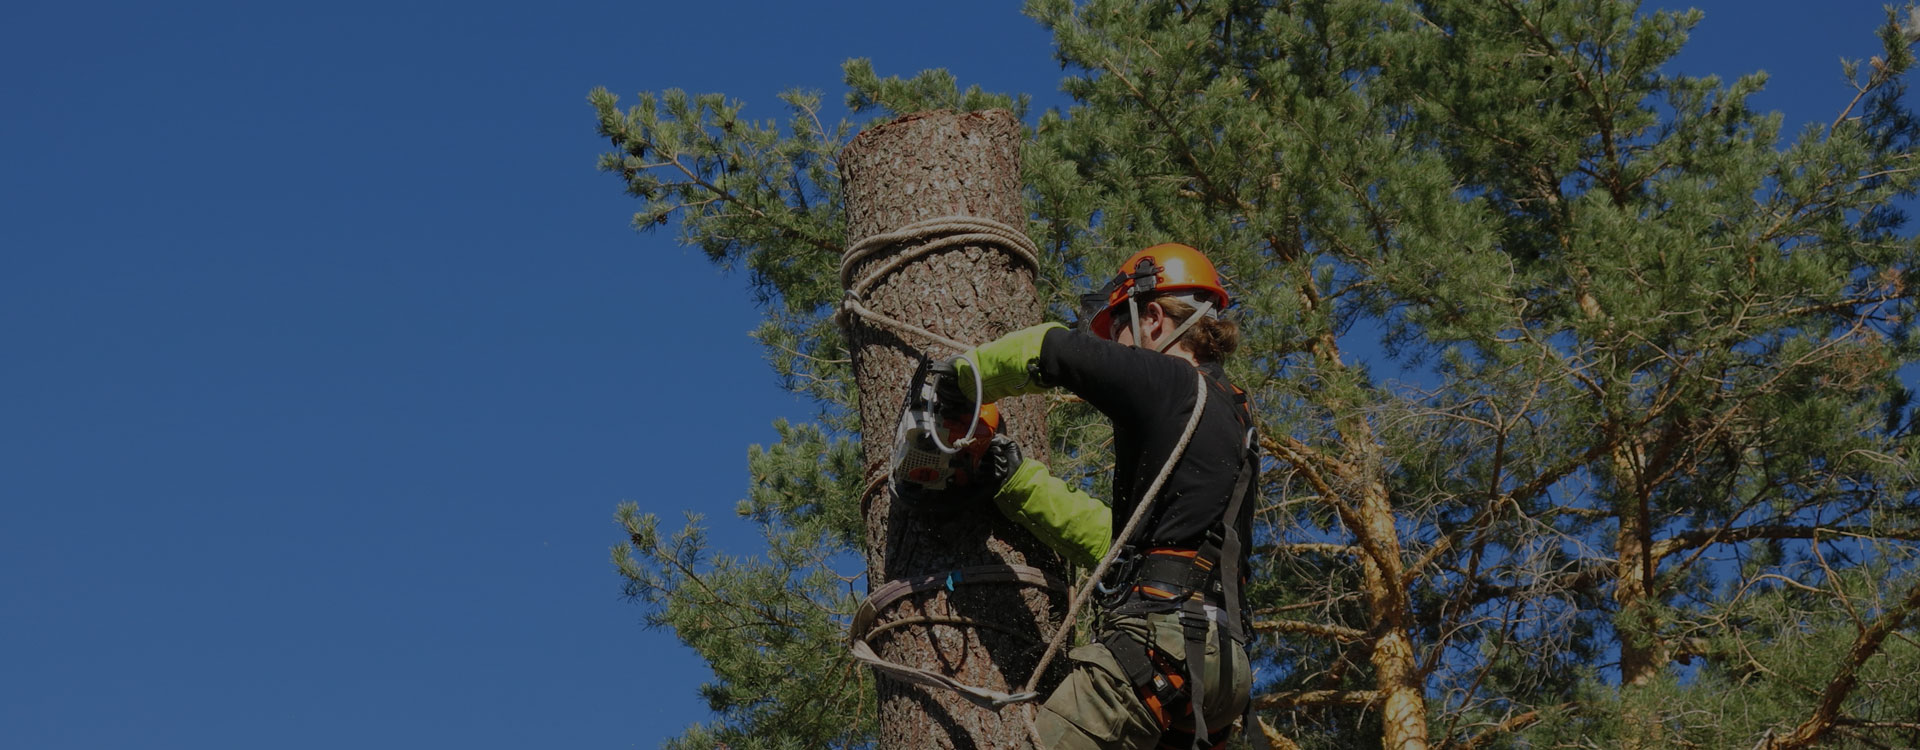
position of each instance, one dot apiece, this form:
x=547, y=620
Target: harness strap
x=1202, y=310
x=1237, y=625
x=1230, y=545
x=1193, y=620
x=1234, y=625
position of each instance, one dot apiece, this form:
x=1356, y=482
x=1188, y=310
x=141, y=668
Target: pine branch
x=1307, y=548
x=1867, y=645
x=1602, y=119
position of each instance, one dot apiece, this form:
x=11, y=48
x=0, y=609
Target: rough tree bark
x=918, y=167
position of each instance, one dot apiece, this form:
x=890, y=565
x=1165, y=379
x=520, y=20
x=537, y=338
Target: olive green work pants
x=1096, y=708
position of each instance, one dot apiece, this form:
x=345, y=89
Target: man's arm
x=1068, y=520
x=1118, y=380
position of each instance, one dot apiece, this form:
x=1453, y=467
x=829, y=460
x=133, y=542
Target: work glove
x=1008, y=365
x=999, y=463
x=1068, y=520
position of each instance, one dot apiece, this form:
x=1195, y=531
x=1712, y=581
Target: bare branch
x=1300, y=698
x=1336, y=632
x=1275, y=739
x=1693, y=539
x=1487, y=736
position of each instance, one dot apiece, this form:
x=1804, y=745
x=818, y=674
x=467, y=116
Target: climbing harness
x=1165, y=580
x=1126, y=532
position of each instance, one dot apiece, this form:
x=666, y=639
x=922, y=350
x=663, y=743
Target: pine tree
x=1579, y=381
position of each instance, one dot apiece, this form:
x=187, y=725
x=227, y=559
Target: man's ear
x=1155, y=313
x=1151, y=315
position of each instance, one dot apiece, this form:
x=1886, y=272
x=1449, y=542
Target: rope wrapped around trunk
x=933, y=235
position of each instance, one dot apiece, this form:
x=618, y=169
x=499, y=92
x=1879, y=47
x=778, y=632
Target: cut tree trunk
x=923, y=166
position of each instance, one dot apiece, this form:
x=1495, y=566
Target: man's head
x=1154, y=301
x=1208, y=339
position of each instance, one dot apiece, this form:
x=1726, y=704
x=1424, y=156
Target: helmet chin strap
x=1199, y=312
x=1133, y=317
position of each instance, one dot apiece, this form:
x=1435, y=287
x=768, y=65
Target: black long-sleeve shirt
x=1149, y=397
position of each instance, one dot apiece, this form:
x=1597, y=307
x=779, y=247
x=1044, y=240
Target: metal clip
x=1117, y=584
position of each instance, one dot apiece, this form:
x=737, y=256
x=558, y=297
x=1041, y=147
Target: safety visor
x=1097, y=308
x=1091, y=305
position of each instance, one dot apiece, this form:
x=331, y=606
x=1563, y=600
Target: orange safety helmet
x=1165, y=268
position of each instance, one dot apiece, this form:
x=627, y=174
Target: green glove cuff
x=1068, y=520
x=1003, y=364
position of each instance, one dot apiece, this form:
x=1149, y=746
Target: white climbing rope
x=1121, y=539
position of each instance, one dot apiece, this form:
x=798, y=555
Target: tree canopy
x=1579, y=381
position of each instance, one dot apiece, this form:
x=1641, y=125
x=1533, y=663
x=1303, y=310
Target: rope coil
x=934, y=235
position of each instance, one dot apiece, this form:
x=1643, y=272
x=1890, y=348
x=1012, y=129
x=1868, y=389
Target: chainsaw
x=938, y=448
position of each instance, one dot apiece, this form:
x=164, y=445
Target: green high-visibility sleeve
x=1003, y=364
x=1068, y=520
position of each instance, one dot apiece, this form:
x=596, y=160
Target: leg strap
x=1161, y=686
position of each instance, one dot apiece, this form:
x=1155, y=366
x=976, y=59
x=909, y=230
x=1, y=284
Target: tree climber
x=1175, y=588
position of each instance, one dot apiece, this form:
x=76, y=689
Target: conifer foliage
x=1580, y=382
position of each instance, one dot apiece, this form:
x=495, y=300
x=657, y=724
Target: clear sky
x=326, y=354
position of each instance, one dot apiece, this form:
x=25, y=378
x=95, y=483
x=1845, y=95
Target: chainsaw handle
x=978, y=386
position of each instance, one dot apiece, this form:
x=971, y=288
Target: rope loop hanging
x=862, y=629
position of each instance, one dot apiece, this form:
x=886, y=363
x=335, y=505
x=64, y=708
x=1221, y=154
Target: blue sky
x=328, y=353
